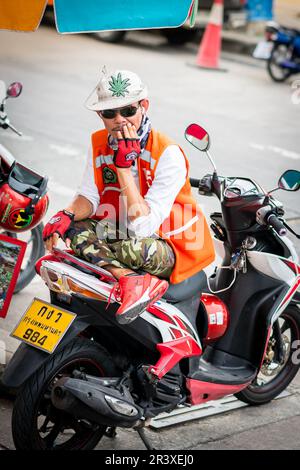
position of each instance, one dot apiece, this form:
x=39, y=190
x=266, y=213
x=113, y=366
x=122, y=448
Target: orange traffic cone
x=210, y=46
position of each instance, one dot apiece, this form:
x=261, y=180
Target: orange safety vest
x=185, y=228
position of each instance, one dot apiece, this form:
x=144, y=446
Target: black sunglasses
x=127, y=111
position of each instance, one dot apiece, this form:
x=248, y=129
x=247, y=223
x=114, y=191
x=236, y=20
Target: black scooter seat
x=187, y=288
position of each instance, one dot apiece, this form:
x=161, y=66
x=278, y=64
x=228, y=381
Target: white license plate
x=263, y=50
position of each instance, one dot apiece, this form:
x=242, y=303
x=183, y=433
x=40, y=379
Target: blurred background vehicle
x=234, y=16
x=281, y=50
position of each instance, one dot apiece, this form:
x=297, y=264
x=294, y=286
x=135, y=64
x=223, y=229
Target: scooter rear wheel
x=276, y=71
x=36, y=423
x=277, y=372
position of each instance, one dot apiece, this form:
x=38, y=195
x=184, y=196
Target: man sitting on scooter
x=134, y=210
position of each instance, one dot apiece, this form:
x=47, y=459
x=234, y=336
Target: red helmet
x=23, y=199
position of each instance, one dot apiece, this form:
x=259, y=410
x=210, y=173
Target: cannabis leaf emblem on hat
x=118, y=87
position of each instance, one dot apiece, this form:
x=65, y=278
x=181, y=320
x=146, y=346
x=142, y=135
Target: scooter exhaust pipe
x=96, y=401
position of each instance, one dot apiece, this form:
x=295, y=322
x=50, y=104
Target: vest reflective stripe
x=183, y=228
x=146, y=157
x=108, y=159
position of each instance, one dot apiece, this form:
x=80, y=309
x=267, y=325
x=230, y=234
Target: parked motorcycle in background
x=18, y=186
x=281, y=50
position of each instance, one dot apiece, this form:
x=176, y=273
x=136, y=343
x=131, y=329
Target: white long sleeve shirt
x=170, y=176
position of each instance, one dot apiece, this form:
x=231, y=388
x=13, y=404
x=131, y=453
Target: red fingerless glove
x=127, y=153
x=59, y=223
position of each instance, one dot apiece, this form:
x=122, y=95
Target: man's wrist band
x=69, y=214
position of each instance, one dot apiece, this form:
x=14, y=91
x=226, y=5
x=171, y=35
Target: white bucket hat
x=115, y=90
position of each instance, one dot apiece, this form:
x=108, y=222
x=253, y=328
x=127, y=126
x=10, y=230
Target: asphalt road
x=254, y=129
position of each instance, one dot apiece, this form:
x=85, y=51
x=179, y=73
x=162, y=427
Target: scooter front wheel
x=36, y=423
x=281, y=362
x=276, y=71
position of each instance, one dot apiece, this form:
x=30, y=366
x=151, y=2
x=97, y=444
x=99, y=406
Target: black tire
x=259, y=394
x=276, y=72
x=33, y=402
x=179, y=36
x=111, y=36
x=34, y=251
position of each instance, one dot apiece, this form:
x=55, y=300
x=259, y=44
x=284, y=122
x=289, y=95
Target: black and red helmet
x=23, y=199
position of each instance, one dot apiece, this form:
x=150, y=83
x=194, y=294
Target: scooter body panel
x=165, y=356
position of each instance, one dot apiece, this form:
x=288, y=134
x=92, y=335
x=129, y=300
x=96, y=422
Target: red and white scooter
x=236, y=332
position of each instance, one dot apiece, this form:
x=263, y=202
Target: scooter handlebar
x=276, y=224
x=204, y=185
x=194, y=182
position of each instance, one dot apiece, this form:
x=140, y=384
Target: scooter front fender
x=27, y=359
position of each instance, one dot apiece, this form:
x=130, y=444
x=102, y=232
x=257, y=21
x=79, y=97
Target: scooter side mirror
x=198, y=137
x=290, y=180
x=14, y=89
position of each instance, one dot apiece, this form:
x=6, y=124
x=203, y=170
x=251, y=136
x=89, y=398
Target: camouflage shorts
x=95, y=242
